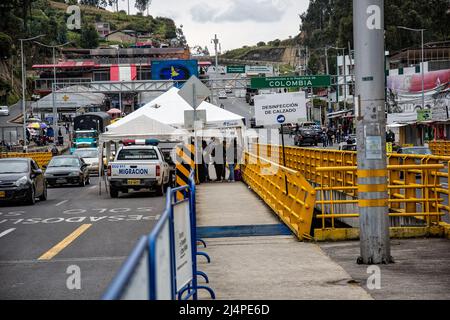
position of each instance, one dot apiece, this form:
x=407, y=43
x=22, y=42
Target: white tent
x=142, y=127
x=169, y=109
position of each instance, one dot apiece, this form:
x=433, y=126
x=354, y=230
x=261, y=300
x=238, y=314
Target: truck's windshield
x=137, y=154
x=85, y=135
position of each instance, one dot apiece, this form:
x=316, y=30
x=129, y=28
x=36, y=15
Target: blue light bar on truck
x=141, y=142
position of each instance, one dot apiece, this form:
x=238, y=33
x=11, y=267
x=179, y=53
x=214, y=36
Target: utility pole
x=328, y=89
x=368, y=32
x=54, y=87
x=345, y=78
x=216, y=43
x=24, y=85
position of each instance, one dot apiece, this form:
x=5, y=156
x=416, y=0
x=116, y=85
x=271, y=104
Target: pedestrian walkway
x=255, y=257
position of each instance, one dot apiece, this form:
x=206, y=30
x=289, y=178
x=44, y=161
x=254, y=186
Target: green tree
x=5, y=46
x=89, y=37
x=261, y=44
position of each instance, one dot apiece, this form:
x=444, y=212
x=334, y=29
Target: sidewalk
x=253, y=257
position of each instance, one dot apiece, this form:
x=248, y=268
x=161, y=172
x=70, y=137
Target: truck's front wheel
x=113, y=192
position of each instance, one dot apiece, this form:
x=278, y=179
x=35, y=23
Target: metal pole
x=55, y=111
x=368, y=26
x=284, y=157
x=423, y=74
x=345, y=79
x=328, y=89
x=23, y=98
x=120, y=92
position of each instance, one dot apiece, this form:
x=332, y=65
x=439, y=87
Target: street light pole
x=423, y=73
x=24, y=88
x=54, y=86
x=120, y=92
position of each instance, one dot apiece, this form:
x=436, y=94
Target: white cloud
x=260, y=11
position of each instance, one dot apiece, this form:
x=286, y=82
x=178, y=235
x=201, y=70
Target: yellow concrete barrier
x=41, y=158
x=440, y=148
x=289, y=195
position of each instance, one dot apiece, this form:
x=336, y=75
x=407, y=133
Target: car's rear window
x=137, y=154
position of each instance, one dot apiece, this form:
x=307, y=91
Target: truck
x=87, y=128
x=138, y=166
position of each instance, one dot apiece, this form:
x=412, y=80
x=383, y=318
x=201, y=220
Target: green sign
x=235, y=69
x=424, y=115
x=291, y=82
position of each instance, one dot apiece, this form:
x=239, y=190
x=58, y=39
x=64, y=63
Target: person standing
x=206, y=159
x=325, y=137
x=217, y=159
x=232, y=159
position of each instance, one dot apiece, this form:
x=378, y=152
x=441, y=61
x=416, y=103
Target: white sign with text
x=183, y=248
x=277, y=109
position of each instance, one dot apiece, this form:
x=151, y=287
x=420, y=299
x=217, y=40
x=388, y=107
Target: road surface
x=74, y=228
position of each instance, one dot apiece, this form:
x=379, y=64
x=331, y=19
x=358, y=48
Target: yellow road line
x=63, y=244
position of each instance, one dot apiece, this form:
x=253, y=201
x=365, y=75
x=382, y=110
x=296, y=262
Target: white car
x=90, y=157
x=228, y=89
x=222, y=94
x=4, y=111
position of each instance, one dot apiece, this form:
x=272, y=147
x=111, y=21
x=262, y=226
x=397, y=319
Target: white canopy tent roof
x=169, y=109
x=71, y=97
x=142, y=127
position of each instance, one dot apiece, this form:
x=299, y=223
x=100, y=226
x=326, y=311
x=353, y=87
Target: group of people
x=332, y=135
x=221, y=156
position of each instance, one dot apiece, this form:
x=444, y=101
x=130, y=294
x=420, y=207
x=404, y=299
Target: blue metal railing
x=156, y=254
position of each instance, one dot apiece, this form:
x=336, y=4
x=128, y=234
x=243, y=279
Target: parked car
x=288, y=128
x=67, y=170
x=415, y=150
x=222, y=94
x=90, y=156
x=249, y=94
x=21, y=179
x=4, y=111
x=306, y=136
x=349, y=143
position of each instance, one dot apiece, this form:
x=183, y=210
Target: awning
x=397, y=125
x=338, y=113
x=66, y=65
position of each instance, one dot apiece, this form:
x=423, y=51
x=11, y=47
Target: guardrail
x=417, y=184
x=285, y=190
x=425, y=205
x=41, y=158
x=440, y=148
x=163, y=265
x=307, y=160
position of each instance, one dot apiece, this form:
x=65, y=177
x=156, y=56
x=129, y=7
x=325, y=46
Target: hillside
x=28, y=18
x=330, y=22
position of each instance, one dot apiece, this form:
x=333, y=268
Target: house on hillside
x=122, y=36
x=103, y=29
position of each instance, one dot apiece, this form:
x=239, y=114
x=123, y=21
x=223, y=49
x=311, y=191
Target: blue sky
x=236, y=22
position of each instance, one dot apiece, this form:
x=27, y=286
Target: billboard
x=177, y=70
x=405, y=95
x=277, y=109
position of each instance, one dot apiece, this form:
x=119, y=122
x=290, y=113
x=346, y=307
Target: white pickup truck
x=138, y=167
